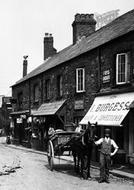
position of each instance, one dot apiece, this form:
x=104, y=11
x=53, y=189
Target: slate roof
x=119, y=27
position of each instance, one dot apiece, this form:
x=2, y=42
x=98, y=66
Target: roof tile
x=118, y=27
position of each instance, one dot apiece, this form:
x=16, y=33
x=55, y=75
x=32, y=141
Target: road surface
x=23, y=170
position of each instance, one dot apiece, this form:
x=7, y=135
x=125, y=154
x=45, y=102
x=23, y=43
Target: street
x=23, y=170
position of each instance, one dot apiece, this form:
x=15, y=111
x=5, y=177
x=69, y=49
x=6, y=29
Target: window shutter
x=129, y=74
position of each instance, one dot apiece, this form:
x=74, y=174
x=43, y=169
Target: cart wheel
x=50, y=155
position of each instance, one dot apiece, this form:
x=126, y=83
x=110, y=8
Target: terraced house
x=90, y=80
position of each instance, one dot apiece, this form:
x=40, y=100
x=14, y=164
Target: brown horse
x=81, y=147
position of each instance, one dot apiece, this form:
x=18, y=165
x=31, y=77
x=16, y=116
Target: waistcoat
x=106, y=147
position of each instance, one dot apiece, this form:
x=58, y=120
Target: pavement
x=122, y=171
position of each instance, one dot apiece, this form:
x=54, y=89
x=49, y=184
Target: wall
x=108, y=58
x=68, y=70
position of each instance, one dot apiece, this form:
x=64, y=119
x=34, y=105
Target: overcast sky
x=23, y=24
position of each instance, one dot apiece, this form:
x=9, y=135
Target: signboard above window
x=106, y=76
x=79, y=104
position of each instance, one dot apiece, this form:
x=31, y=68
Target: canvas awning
x=19, y=112
x=109, y=110
x=49, y=108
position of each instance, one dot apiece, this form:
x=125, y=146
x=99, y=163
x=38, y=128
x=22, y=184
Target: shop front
x=20, y=127
x=116, y=112
x=48, y=115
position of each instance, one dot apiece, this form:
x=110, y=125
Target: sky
x=23, y=24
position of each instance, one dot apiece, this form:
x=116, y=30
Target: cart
x=58, y=145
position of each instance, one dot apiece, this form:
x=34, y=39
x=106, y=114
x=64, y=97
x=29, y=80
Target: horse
x=81, y=147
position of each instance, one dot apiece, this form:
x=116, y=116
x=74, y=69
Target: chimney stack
x=49, y=50
x=25, y=65
x=83, y=25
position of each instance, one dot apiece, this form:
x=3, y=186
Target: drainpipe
x=99, y=69
x=41, y=88
x=29, y=97
x=30, y=105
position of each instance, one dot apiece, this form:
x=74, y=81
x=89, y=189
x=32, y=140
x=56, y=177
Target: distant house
x=87, y=81
x=5, y=110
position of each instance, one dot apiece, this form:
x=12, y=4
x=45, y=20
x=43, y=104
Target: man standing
x=105, y=155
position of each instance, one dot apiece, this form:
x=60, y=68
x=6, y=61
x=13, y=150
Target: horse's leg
x=89, y=162
x=78, y=162
x=74, y=157
x=85, y=167
x=82, y=166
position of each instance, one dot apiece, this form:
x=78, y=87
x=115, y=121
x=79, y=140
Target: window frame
x=59, y=86
x=83, y=80
x=36, y=92
x=47, y=89
x=20, y=100
x=127, y=80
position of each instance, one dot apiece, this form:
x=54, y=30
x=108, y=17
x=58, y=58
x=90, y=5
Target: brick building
x=5, y=110
x=98, y=65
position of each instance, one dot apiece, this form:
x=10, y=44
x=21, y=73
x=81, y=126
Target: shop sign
x=105, y=18
x=106, y=76
x=79, y=104
x=23, y=116
x=19, y=120
x=109, y=110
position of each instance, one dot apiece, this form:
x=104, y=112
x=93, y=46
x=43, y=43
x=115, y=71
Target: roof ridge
x=111, y=23
x=101, y=36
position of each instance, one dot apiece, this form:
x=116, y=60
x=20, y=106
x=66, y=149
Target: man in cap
x=105, y=155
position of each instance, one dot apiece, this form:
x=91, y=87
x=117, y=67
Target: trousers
x=105, y=162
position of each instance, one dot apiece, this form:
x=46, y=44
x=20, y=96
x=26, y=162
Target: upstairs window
x=122, y=68
x=36, y=93
x=80, y=80
x=20, y=100
x=47, y=89
x=60, y=86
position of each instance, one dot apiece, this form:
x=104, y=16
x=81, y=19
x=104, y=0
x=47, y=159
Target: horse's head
x=90, y=131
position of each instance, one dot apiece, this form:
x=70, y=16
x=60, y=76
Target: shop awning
x=109, y=110
x=19, y=112
x=49, y=108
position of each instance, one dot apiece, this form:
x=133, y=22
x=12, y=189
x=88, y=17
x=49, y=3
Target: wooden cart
x=58, y=145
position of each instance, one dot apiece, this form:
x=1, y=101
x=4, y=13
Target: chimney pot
x=49, y=50
x=83, y=25
x=25, y=63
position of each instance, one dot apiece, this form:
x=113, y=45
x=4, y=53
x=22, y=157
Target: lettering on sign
x=110, y=118
x=79, y=104
x=19, y=120
x=105, y=18
x=106, y=76
x=117, y=106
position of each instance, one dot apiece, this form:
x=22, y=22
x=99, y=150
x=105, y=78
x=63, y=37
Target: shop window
x=36, y=93
x=47, y=89
x=60, y=86
x=122, y=68
x=20, y=100
x=76, y=120
x=80, y=80
x=119, y=137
